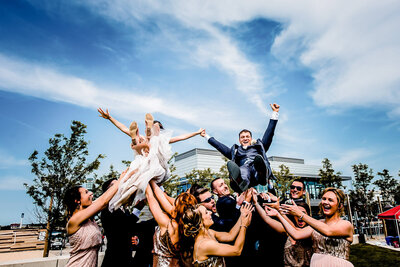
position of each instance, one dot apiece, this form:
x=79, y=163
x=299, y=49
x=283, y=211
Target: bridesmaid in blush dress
x=84, y=234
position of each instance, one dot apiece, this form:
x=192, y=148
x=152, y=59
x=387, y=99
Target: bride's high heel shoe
x=133, y=131
x=149, y=121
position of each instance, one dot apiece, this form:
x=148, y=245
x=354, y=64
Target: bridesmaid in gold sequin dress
x=208, y=251
x=331, y=236
x=168, y=249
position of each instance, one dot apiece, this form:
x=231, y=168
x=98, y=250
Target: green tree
x=284, y=178
x=64, y=165
x=201, y=177
x=328, y=176
x=387, y=184
x=172, y=184
x=397, y=193
x=98, y=183
x=361, y=198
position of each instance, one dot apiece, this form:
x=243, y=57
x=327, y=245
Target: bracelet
x=243, y=226
x=301, y=217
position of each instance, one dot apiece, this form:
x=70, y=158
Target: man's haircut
x=245, y=131
x=106, y=184
x=212, y=183
x=300, y=181
x=200, y=191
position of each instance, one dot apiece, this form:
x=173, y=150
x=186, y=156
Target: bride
x=152, y=153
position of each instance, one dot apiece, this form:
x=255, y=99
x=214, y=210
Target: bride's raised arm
x=106, y=115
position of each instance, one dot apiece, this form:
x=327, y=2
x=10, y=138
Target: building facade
x=201, y=159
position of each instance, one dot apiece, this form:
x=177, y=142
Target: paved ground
x=33, y=254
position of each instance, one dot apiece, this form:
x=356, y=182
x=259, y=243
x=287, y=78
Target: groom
x=248, y=165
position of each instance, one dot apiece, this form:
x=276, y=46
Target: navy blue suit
x=228, y=213
x=244, y=157
x=118, y=227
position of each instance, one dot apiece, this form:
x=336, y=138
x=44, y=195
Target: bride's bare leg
x=141, y=147
x=156, y=129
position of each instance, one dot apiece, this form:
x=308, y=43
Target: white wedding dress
x=152, y=166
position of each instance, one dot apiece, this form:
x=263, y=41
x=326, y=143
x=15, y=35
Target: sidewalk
x=32, y=254
x=380, y=242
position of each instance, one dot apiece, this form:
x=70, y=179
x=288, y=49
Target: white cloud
x=47, y=83
x=351, y=47
x=350, y=157
x=8, y=161
x=13, y=183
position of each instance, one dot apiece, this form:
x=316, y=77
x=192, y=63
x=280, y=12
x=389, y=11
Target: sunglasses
x=298, y=188
x=208, y=199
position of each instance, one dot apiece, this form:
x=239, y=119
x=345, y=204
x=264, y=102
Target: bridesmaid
x=84, y=234
x=297, y=253
x=331, y=236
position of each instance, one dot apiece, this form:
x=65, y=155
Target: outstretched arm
x=226, y=151
x=277, y=226
x=101, y=203
x=269, y=132
x=231, y=235
x=212, y=247
x=184, y=136
x=162, y=199
x=106, y=115
x=160, y=216
x=292, y=231
x=340, y=229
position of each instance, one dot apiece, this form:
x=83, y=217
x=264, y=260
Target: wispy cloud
x=14, y=183
x=8, y=161
x=351, y=47
x=48, y=83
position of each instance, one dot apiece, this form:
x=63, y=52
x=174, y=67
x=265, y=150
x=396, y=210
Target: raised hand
x=246, y=218
x=270, y=211
x=275, y=107
x=203, y=132
x=240, y=198
x=105, y=115
x=246, y=209
x=291, y=209
x=199, y=131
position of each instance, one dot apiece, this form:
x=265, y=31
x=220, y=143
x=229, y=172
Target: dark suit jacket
x=228, y=213
x=145, y=231
x=262, y=145
x=118, y=227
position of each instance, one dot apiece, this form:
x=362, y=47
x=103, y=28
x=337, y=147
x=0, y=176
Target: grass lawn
x=369, y=255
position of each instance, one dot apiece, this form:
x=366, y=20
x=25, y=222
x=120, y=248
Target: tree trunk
x=46, y=239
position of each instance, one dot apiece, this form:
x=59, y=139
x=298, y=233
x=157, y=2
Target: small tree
x=172, y=184
x=63, y=166
x=201, y=177
x=397, y=193
x=283, y=180
x=362, y=198
x=98, y=183
x=387, y=184
x=328, y=176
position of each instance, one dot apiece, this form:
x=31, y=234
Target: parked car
x=57, y=241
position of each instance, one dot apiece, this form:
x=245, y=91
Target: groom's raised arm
x=226, y=151
x=269, y=132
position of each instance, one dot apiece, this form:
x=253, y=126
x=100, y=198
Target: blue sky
x=333, y=67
